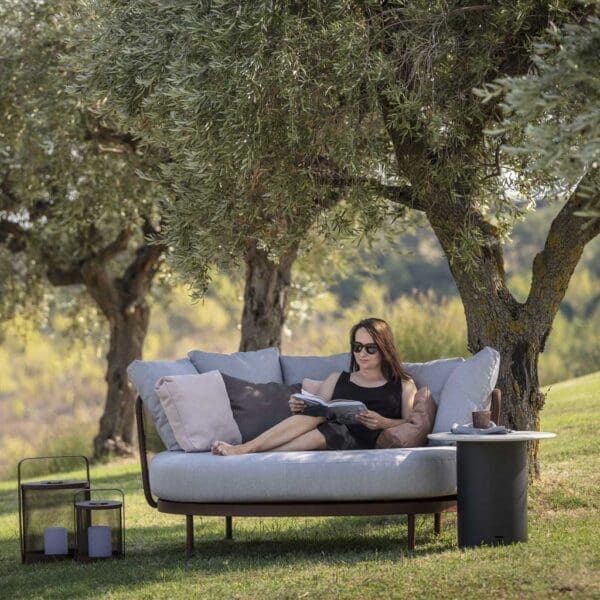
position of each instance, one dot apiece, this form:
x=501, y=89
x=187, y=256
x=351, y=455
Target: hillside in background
x=416, y=262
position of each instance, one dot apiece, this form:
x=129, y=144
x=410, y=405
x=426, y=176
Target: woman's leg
x=282, y=433
x=311, y=440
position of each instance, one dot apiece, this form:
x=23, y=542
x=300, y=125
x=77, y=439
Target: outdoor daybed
x=389, y=481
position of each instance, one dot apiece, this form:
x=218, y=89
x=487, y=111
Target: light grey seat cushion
x=314, y=476
x=257, y=366
x=144, y=374
x=295, y=368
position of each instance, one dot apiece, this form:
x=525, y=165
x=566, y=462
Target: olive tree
x=466, y=181
x=268, y=108
x=73, y=212
x=249, y=186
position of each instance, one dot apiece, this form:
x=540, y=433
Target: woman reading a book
x=376, y=378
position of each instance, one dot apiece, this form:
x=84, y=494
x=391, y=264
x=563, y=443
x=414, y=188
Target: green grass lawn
x=347, y=557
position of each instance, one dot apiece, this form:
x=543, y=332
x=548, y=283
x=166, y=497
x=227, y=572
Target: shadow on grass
x=9, y=501
x=365, y=533
x=157, y=554
x=348, y=539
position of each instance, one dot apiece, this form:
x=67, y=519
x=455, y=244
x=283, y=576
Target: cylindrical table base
x=492, y=492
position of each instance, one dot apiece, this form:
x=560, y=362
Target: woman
x=376, y=378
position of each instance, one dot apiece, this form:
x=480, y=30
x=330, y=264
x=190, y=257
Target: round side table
x=491, y=479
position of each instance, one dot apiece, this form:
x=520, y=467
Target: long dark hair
x=380, y=331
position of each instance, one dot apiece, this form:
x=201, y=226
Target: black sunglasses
x=370, y=348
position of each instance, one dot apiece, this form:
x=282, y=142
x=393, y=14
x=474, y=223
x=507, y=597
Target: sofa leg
x=411, y=532
x=228, y=528
x=437, y=523
x=189, y=535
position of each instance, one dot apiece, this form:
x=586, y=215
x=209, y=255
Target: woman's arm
x=409, y=390
x=323, y=389
x=374, y=420
x=312, y=386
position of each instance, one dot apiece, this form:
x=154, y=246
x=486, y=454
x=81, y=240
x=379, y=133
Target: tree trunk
x=127, y=333
x=447, y=183
x=519, y=344
x=265, y=297
x=494, y=318
x=123, y=302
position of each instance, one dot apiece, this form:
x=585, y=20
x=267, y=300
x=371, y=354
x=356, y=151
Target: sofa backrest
x=144, y=374
x=257, y=366
x=296, y=368
x=458, y=386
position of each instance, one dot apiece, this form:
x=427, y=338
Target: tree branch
x=101, y=287
x=118, y=245
x=16, y=238
x=399, y=194
x=13, y=237
x=109, y=140
x=90, y=272
x=568, y=235
x=404, y=195
x=137, y=279
x=58, y=276
x=105, y=289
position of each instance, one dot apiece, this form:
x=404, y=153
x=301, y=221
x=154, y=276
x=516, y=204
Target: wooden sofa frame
x=411, y=508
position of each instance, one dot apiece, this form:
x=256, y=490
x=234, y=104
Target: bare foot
x=224, y=449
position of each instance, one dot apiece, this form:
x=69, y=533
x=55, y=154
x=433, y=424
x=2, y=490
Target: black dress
x=385, y=399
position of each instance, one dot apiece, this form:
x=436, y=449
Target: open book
x=340, y=411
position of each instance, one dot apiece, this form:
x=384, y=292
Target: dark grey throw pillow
x=258, y=406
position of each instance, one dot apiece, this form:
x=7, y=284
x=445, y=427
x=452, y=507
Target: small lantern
x=99, y=524
x=46, y=507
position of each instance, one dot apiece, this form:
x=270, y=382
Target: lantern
x=99, y=524
x=46, y=507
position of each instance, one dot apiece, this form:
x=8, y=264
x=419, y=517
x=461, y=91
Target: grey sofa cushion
x=467, y=388
x=258, y=366
x=258, y=406
x=144, y=375
x=344, y=475
x=296, y=368
x=433, y=374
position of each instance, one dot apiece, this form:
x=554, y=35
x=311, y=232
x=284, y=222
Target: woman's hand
x=296, y=406
x=372, y=420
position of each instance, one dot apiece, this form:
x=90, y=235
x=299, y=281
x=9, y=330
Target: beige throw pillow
x=198, y=410
x=413, y=432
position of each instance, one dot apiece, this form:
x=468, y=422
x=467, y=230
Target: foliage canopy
x=69, y=188
x=268, y=114
x=554, y=112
